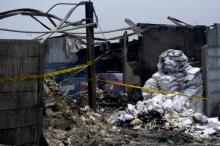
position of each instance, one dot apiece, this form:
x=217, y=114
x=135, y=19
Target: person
x=101, y=82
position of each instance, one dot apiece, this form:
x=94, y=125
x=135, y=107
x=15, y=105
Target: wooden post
x=204, y=77
x=124, y=52
x=90, y=55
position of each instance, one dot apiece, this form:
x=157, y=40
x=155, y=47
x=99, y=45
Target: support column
x=90, y=55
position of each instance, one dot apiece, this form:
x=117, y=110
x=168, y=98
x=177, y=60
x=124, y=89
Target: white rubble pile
x=175, y=110
x=177, y=75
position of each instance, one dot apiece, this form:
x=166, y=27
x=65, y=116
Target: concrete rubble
x=57, y=115
x=69, y=122
x=175, y=110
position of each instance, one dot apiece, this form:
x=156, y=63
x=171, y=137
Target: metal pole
x=90, y=55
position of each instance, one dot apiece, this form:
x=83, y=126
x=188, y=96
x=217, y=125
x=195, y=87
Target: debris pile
x=174, y=110
x=176, y=74
x=104, y=98
x=69, y=122
x=171, y=111
x=58, y=116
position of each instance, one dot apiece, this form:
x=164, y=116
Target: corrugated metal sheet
x=58, y=51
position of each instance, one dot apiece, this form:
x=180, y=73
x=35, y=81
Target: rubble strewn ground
x=160, y=119
x=69, y=122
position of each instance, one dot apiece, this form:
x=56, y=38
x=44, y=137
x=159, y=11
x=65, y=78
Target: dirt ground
x=68, y=122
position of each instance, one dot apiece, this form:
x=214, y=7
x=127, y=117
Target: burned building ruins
x=151, y=84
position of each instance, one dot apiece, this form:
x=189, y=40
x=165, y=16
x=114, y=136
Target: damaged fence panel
x=20, y=101
x=212, y=68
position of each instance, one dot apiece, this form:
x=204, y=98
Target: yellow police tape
x=34, y=77
x=153, y=90
x=84, y=66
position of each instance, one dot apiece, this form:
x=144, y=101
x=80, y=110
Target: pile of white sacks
x=177, y=75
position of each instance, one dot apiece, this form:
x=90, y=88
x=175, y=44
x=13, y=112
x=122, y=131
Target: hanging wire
x=63, y=27
x=60, y=4
x=33, y=12
x=50, y=31
x=63, y=20
x=44, y=25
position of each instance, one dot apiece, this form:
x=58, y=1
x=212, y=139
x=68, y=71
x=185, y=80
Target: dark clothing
x=101, y=83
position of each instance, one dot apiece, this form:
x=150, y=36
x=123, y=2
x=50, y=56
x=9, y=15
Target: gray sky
x=111, y=13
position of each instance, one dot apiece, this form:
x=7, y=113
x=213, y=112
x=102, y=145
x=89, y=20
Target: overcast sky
x=111, y=13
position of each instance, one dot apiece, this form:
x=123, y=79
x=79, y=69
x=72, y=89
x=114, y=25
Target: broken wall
x=63, y=52
x=211, y=63
x=159, y=38
x=58, y=54
x=130, y=57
